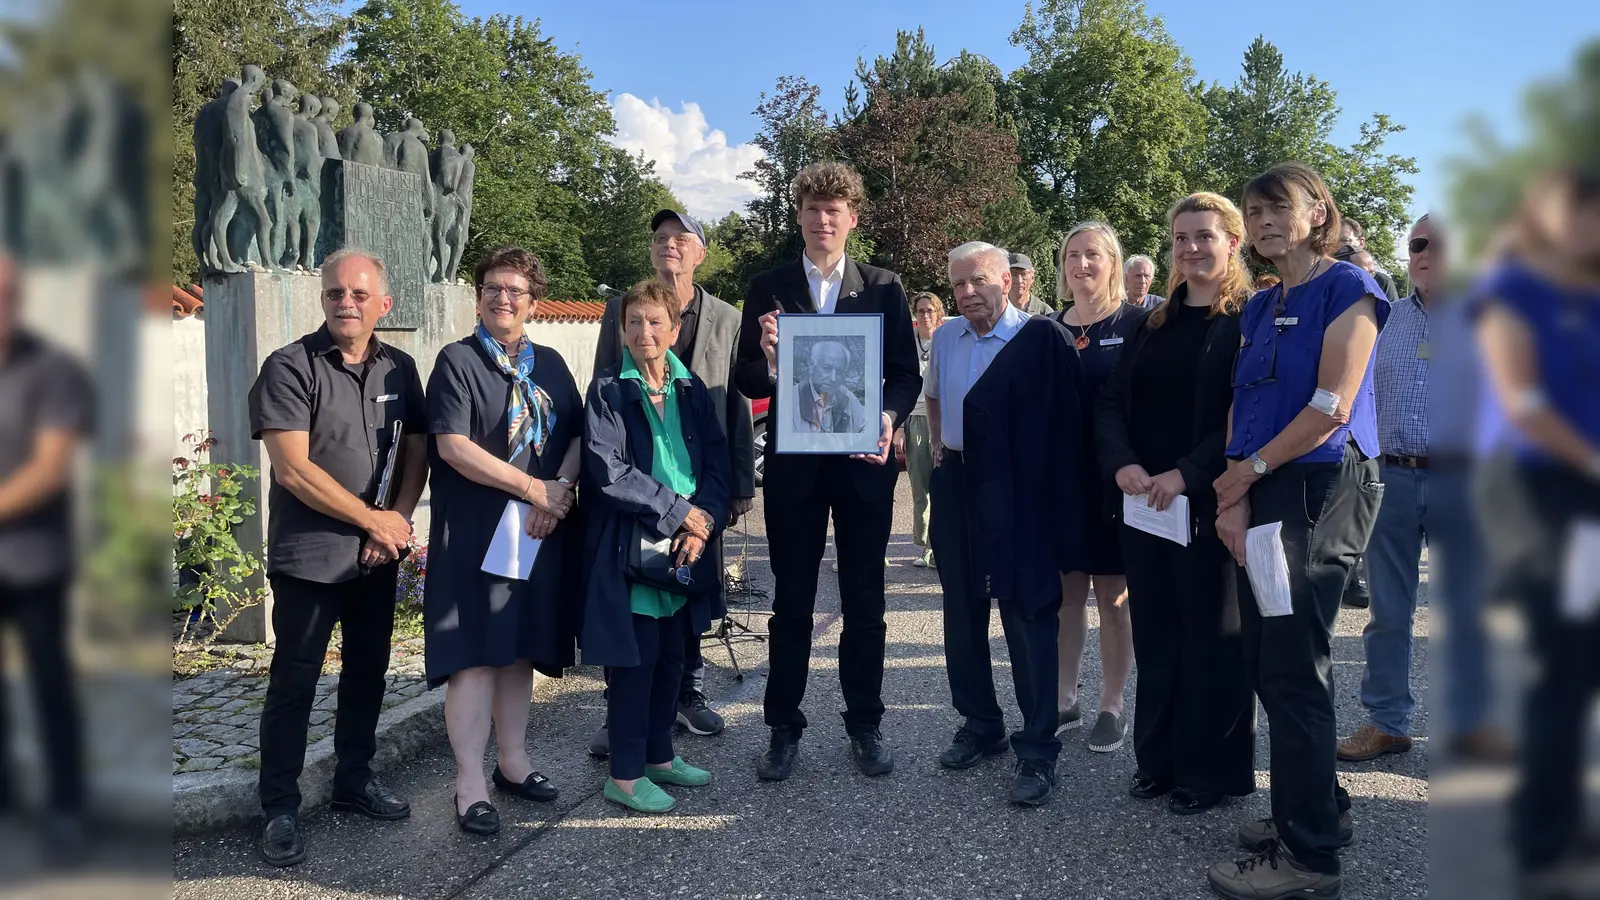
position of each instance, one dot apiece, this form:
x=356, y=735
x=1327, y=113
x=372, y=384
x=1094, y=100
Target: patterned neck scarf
x=531, y=413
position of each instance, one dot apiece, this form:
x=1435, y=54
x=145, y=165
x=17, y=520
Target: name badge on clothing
x=385, y=398
x=1110, y=341
x=1286, y=320
x=1422, y=350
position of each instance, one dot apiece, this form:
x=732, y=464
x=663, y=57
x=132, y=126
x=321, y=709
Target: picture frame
x=843, y=352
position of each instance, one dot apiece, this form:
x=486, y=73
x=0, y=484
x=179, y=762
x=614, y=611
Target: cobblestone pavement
x=216, y=716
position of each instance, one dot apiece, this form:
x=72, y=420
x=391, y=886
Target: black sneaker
x=873, y=757
x=968, y=748
x=778, y=761
x=695, y=715
x=281, y=844
x=1035, y=781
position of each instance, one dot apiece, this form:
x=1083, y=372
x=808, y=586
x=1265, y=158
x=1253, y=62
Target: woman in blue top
x=654, y=454
x=1539, y=327
x=1301, y=455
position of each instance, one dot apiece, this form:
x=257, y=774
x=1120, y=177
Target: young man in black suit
x=801, y=490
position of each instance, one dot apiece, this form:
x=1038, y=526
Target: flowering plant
x=206, y=506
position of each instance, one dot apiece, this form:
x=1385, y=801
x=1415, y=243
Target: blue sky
x=695, y=70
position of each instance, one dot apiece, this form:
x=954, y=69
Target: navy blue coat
x=617, y=489
x=1028, y=506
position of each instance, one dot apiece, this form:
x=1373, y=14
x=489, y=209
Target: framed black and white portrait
x=830, y=380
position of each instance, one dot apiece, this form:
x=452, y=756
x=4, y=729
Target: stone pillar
x=249, y=315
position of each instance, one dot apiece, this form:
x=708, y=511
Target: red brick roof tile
x=186, y=302
x=569, y=311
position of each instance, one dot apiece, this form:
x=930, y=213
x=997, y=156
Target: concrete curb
x=213, y=801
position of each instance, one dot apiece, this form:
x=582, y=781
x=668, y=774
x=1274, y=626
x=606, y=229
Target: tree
x=211, y=40
x=1108, y=119
x=1562, y=126
x=925, y=127
x=529, y=110
x=1270, y=115
x=731, y=248
x=794, y=134
x=616, y=233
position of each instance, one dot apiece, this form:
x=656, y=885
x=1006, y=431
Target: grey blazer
x=716, y=344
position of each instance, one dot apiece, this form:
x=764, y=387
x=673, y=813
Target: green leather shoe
x=681, y=773
x=646, y=797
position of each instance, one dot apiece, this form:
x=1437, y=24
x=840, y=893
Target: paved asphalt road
x=828, y=832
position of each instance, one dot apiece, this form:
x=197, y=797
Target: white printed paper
x=1580, y=572
x=511, y=551
x=1268, y=568
x=1172, y=523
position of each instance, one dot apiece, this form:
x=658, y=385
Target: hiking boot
x=1263, y=833
x=1272, y=874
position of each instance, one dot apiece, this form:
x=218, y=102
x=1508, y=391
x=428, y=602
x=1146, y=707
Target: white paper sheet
x=1268, y=568
x=511, y=552
x=1172, y=524
x=1580, y=575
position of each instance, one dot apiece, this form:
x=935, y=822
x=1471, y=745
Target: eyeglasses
x=682, y=574
x=334, y=295
x=1417, y=245
x=493, y=292
x=1272, y=367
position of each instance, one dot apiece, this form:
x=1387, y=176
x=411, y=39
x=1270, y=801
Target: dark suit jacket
x=865, y=289
x=712, y=358
x=1207, y=430
x=1022, y=419
x=618, y=488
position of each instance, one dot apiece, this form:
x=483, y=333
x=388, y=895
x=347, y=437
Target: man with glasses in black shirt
x=326, y=407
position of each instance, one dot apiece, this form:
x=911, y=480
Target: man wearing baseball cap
x=1021, y=295
x=707, y=343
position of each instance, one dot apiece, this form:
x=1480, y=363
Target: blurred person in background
x=911, y=439
x=46, y=414
x=1406, y=517
x=1165, y=411
x=1089, y=273
x=1140, y=274
x=1021, y=293
x=1352, y=243
x=1539, y=498
x=325, y=407
x=1302, y=457
x=1266, y=280
x=708, y=342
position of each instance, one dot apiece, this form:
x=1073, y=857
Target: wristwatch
x=1258, y=465
x=562, y=479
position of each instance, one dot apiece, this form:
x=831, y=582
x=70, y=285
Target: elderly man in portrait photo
x=1001, y=533
x=822, y=402
x=708, y=338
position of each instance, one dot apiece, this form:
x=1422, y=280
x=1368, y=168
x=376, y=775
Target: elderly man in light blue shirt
x=962, y=352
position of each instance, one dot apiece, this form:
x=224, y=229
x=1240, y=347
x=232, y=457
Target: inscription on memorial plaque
x=381, y=210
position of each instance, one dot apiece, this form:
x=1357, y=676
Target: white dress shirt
x=824, y=285
x=959, y=359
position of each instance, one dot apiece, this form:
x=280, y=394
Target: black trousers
x=1194, y=719
x=1031, y=631
x=797, y=533
x=642, y=705
x=1327, y=511
x=39, y=615
x=1528, y=511
x=303, y=614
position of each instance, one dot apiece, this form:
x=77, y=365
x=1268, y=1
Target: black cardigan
x=1213, y=387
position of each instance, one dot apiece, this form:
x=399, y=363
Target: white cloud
x=692, y=158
